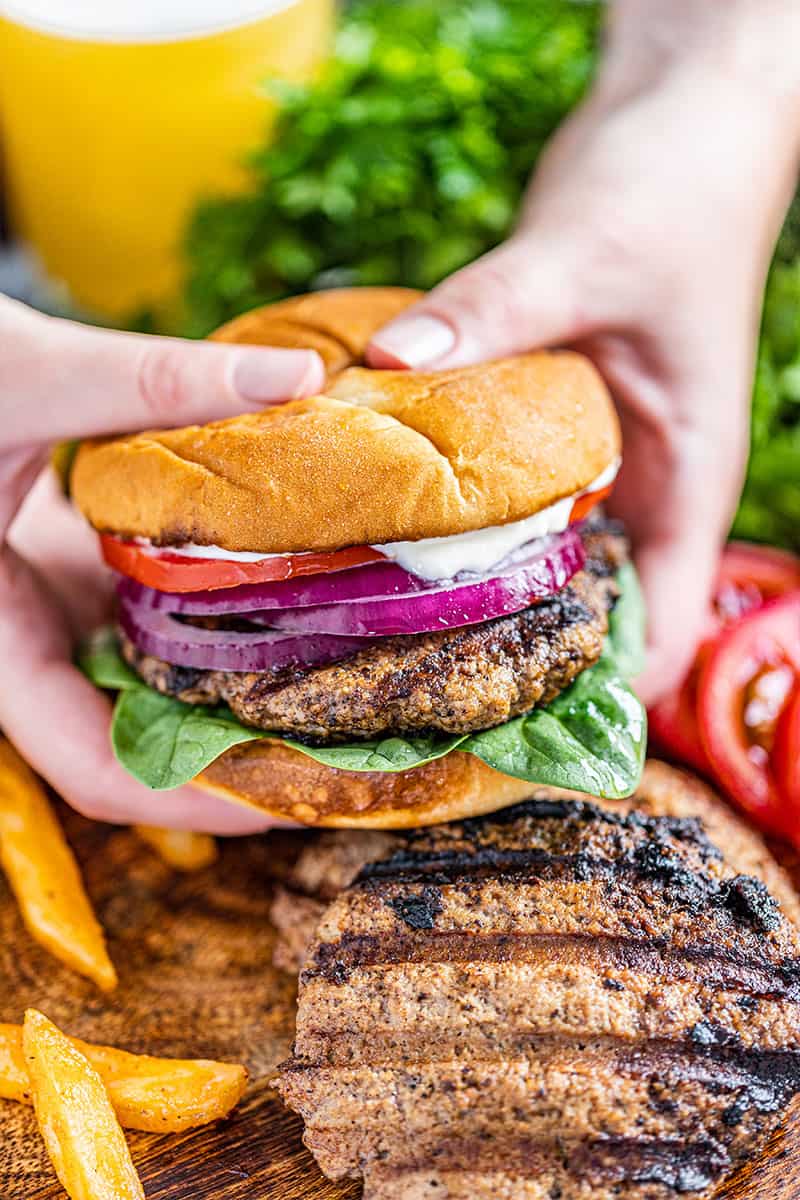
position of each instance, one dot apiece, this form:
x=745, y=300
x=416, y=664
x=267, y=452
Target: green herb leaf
x=100, y=660
x=164, y=743
x=403, y=160
x=592, y=738
x=387, y=754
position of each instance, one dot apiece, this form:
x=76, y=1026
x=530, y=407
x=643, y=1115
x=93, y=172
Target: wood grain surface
x=196, y=979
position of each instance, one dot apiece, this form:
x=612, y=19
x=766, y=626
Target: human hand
x=61, y=380
x=644, y=242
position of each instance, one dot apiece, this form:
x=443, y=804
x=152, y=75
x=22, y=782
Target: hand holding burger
x=61, y=380
x=644, y=242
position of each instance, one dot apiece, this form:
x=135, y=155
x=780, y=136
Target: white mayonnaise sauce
x=443, y=557
x=481, y=549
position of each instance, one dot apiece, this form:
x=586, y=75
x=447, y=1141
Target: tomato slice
x=584, y=504
x=786, y=752
x=169, y=572
x=748, y=674
x=673, y=724
x=748, y=576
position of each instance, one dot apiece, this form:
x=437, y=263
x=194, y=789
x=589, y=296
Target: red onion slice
x=531, y=580
x=182, y=645
x=539, y=569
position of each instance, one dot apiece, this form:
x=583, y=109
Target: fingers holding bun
x=383, y=456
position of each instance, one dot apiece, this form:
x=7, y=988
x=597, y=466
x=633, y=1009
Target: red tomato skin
x=673, y=724
x=731, y=664
x=584, y=504
x=175, y=573
x=786, y=752
x=748, y=575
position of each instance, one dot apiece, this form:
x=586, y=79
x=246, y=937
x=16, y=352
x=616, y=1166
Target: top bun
x=382, y=456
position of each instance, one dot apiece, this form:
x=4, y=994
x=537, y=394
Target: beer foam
x=144, y=21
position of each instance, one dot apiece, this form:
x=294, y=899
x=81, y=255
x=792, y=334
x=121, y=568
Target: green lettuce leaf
x=626, y=625
x=165, y=743
x=100, y=660
x=591, y=738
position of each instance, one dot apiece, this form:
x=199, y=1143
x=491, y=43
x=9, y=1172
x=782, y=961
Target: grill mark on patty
x=455, y=681
x=539, y=820
x=334, y=961
x=763, y=1079
x=687, y=1167
x=743, y=899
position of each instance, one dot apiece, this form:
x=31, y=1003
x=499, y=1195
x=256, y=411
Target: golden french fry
x=80, y=1130
x=14, y=1081
x=157, y=1095
x=179, y=848
x=44, y=875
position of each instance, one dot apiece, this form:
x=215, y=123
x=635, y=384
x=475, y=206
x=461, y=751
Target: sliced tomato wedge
x=584, y=504
x=748, y=576
x=169, y=572
x=786, y=752
x=673, y=724
x=743, y=686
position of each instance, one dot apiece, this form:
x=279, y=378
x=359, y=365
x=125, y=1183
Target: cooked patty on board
x=558, y=999
x=457, y=681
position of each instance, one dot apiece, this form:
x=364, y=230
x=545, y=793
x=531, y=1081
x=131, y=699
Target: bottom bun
x=290, y=786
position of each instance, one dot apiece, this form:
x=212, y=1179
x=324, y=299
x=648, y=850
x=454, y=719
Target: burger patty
x=559, y=1000
x=456, y=681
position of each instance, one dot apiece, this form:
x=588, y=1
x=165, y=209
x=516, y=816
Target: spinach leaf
x=385, y=754
x=164, y=743
x=626, y=625
x=101, y=662
x=591, y=738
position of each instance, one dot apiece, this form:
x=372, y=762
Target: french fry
x=44, y=875
x=157, y=1095
x=83, y=1137
x=179, y=848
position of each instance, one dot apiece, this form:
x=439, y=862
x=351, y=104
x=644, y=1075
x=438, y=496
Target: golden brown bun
x=383, y=456
x=337, y=324
x=293, y=787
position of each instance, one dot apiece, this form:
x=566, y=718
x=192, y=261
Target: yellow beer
x=115, y=118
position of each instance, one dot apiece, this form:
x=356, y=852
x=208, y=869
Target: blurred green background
x=407, y=159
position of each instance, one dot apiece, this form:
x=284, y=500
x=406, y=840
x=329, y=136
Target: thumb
x=65, y=380
x=521, y=295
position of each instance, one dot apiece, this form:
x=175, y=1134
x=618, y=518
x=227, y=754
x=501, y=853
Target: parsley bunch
x=769, y=510
x=404, y=161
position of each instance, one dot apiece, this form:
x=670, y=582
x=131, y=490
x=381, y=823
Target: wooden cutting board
x=196, y=980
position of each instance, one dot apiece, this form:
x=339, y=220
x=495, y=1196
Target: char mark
x=706, y=963
x=741, y=900
x=679, y=1166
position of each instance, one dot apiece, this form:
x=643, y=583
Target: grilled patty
x=456, y=681
x=557, y=999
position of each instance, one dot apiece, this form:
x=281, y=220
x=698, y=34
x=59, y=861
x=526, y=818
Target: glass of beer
x=116, y=118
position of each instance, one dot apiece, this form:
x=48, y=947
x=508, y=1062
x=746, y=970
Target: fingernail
x=270, y=376
x=413, y=341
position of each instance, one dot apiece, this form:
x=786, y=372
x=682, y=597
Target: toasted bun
x=382, y=456
x=290, y=786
